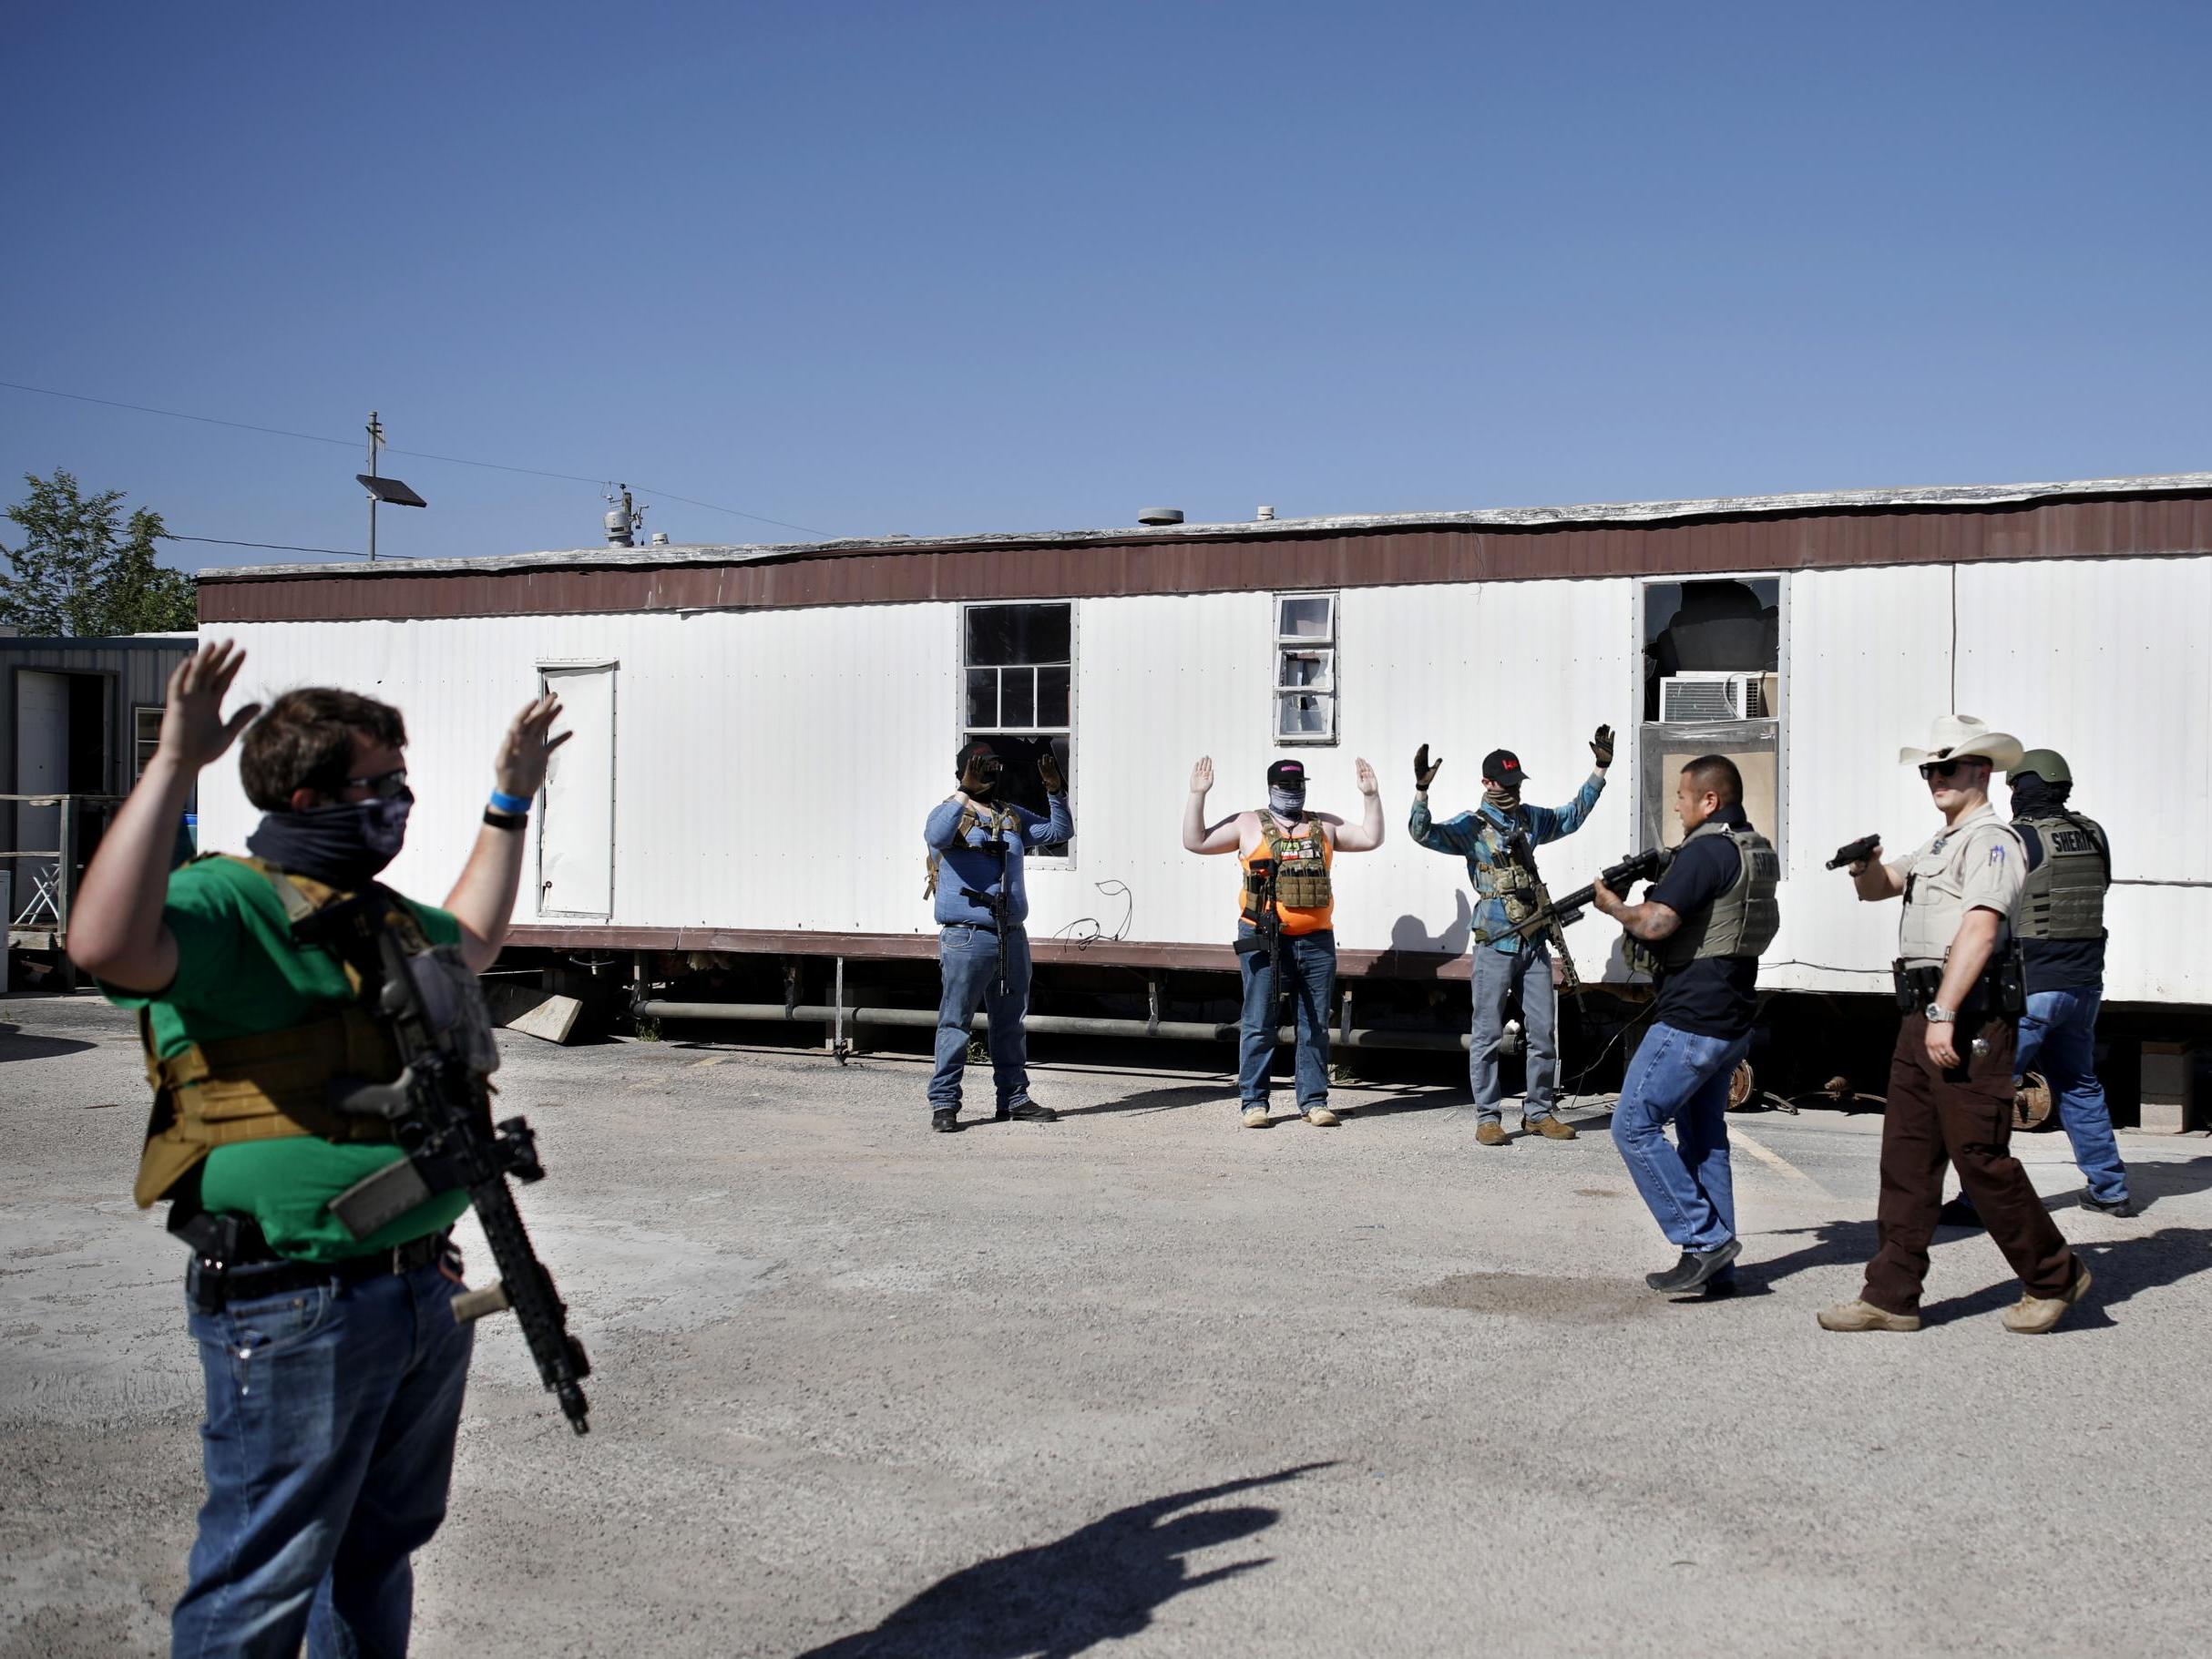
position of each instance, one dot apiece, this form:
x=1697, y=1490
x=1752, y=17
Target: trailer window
x=1305, y=668
x=146, y=736
x=1017, y=689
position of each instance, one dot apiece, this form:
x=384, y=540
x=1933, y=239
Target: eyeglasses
x=385, y=785
x=1931, y=770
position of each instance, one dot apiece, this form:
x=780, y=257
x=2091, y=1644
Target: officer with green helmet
x=1700, y=929
x=2061, y=929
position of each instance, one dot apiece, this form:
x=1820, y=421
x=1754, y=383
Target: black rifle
x=1545, y=920
x=1267, y=921
x=1855, y=852
x=439, y=1108
x=1557, y=913
x=997, y=902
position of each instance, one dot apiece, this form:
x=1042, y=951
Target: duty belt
x=250, y=1269
x=2000, y=991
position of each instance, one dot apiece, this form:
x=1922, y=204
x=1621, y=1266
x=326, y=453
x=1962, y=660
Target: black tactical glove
x=1048, y=774
x=1601, y=745
x=1423, y=770
x=981, y=775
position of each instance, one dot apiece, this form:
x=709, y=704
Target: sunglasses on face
x=385, y=785
x=1933, y=770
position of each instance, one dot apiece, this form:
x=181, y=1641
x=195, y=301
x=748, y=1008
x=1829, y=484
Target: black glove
x=1601, y=745
x=981, y=775
x=1423, y=770
x=1048, y=774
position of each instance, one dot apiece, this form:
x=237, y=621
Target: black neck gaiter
x=344, y=845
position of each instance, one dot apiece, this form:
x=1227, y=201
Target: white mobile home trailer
x=762, y=730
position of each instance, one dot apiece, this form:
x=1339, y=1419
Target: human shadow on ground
x=2149, y=1183
x=1099, y=1583
x=1222, y=1094
x=15, y=1043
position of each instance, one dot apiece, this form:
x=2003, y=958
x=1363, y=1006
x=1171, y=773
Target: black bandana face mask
x=345, y=845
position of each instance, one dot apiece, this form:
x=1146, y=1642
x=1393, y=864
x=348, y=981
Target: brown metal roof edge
x=1933, y=498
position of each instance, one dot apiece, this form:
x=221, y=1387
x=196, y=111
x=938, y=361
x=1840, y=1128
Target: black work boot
x=1027, y=1112
x=1694, y=1268
x=946, y=1119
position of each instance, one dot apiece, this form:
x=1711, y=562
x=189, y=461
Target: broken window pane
x=1012, y=634
x=1307, y=667
x=1305, y=715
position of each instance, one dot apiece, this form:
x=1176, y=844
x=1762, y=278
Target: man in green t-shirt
x=333, y=1366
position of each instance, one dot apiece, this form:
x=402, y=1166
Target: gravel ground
x=1144, y=1382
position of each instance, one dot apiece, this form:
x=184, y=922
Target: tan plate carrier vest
x=2063, y=896
x=271, y=1084
x=1743, y=921
x=1003, y=821
x=1497, y=876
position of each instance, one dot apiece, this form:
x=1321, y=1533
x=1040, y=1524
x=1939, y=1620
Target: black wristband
x=506, y=820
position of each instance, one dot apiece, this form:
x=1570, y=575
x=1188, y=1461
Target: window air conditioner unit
x=1699, y=697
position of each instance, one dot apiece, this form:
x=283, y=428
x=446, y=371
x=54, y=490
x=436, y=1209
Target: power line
x=419, y=455
x=280, y=547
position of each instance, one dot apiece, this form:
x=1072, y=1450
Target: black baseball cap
x=1286, y=774
x=1503, y=766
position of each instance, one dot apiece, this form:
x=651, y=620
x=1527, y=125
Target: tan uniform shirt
x=1976, y=864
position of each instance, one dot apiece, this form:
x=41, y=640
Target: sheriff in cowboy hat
x=1950, y=1076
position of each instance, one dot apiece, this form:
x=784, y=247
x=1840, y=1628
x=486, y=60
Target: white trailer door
x=42, y=768
x=576, y=830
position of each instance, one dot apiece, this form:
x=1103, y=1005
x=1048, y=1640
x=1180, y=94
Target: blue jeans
x=329, y=1448
x=1681, y=1078
x=1495, y=975
x=2062, y=1026
x=1309, y=976
x=968, y=958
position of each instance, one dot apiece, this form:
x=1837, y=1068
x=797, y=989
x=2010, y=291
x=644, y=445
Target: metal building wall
x=774, y=767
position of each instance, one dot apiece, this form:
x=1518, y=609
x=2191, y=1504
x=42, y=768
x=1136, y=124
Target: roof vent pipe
x=1160, y=515
x=1264, y=514
x=660, y=538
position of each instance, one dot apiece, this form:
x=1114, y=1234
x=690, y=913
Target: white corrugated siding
x=774, y=767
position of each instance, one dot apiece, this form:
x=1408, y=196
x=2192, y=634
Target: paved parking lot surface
x=1143, y=1382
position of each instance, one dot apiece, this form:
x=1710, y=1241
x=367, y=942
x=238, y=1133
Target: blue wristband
x=509, y=804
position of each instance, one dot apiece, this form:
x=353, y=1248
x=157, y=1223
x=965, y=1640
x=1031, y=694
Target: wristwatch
x=1938, y=1015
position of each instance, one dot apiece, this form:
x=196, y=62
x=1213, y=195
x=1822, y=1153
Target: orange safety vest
x=1299, y=873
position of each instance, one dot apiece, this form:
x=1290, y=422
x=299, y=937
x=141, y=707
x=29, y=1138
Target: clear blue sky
x=936, y=267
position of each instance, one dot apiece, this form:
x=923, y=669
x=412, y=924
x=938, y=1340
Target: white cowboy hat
x=1959, y=736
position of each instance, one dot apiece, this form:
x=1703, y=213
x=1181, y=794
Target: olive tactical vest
x=1743, y=921
x=271, y=1084
x=2063, y=896
x=1301, y=866
x=1499, y=876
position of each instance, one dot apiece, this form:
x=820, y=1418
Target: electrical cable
x=280, y=547
x=418, y=455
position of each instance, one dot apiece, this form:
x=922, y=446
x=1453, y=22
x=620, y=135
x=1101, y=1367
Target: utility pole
x=376, y=439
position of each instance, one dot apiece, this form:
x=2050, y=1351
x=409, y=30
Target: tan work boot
x=1862, y=1316
x=2033, y=1316
x=1551, y=1128
x=1255, y=1117
x=1321, y=1117
x=1491, y=1133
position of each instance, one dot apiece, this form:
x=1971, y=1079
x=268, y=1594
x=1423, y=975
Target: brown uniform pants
x=1964, y=1117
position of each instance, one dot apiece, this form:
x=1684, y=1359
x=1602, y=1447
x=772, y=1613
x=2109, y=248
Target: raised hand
x=193, y=731
x=1368, y=785
x=1425, y=770
x=1601, y=745
x=1050, y=774
x=1202, y=775
x=525, y=750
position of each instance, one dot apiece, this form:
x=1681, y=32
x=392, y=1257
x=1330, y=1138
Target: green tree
x=84, y=572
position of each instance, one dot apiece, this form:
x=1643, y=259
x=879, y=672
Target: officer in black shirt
x=1700, y=929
